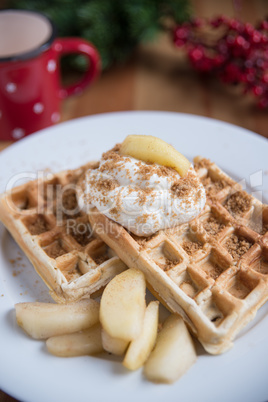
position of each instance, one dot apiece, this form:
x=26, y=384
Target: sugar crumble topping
x=238, y=203
x=143, y=197
x=237, y=246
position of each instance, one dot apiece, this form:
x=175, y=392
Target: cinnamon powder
x=212, y=226
x=237, y=246
x=191, y=247
x=238, y=203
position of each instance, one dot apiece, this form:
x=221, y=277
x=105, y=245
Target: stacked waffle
x=213, y=271
x=46, y=222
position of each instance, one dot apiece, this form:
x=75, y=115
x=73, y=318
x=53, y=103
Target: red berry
x=243, y=78
x=241, y=42
x=196, y=54
x=222, y=47
x=181, y=33
x=197, y=22
x=263, y=103
x=235, y=25
x=205, y=65
x=265, y=78
x=232, y=71
x=248, y=64
x=240, y=55
x=248, y=29
x=230, y=41
x=260, y=63
x=216, y=22
x=257, y=90
x=250, y=77
x=264, y=39
x=256, y=37
x=218, y=60
x=264, y=25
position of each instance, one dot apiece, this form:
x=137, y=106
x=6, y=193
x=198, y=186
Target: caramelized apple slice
x=86, y=342
x=154, y=150
x=122, y=305
x=174, y=352
x=112, y=345
x=43, y=320
x=140, y=348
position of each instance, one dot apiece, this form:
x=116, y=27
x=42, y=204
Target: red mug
x=30, y=89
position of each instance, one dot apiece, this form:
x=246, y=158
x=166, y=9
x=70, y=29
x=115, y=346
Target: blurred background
x=142, y=67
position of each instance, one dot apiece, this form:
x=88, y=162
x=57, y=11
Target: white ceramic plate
x=27, y=371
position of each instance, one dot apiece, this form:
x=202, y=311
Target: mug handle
x=63, y=46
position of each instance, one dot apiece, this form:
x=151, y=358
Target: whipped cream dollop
x=143, y=198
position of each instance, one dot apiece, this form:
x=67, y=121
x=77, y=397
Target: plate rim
x=132, y=112
x=117, y=114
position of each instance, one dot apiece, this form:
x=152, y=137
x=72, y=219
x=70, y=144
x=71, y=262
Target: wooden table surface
x=158, y=77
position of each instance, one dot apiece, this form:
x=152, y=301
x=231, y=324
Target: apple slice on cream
x=154, y=150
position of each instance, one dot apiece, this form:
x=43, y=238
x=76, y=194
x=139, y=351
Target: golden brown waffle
x=44, y=219
x=212, y=271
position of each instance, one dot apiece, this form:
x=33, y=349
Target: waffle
x=44, y=219
x=213, y=271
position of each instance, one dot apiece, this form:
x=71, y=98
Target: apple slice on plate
x=112, y=345
x=43, y=320
x=174, y=352
x=154, y=150
x=140, y=348
x=122, y=305
x=86, y=342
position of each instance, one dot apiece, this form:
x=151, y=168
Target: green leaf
x=114, y=27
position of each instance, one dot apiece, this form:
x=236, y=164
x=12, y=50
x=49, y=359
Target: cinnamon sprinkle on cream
x=104, y=184
x=148, y=170
x=185, y=185
x=147, y=197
